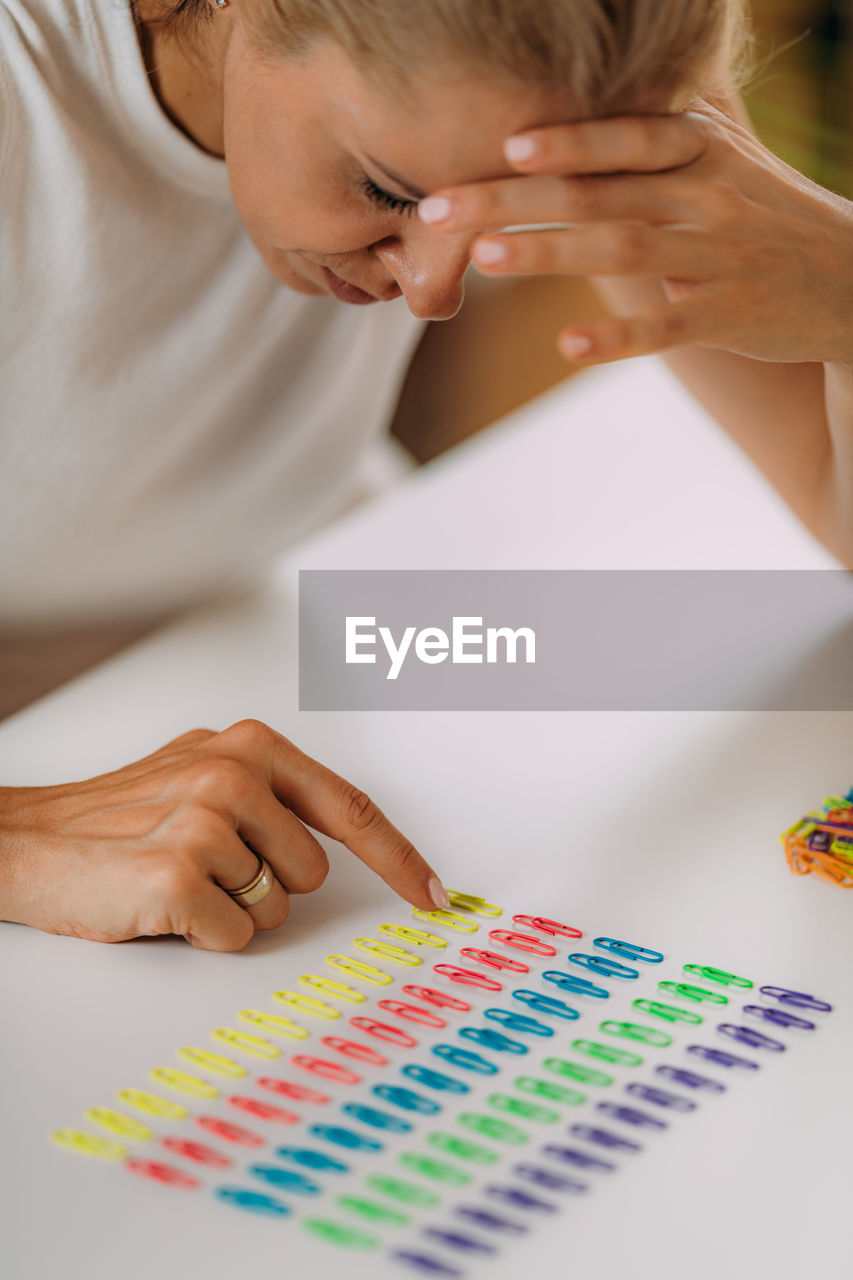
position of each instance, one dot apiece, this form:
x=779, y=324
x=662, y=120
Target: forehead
x=446, y=126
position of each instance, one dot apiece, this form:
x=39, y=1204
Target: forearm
x=794, y=421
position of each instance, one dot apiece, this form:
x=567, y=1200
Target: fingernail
x=575, y=345
x=489, y=252
x=520, y=148
x=434, y=209
x=438, y=893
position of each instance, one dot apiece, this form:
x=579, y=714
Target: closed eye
x=379, y=196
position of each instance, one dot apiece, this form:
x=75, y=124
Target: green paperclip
x=440, y=1170
x=491, y=1127
x=339, y=1233
x=556, y=1092
x=461, y=1147
x=710, y=974
x=635, y=1031
x=606, y=1053
x=372, y=1211
x=469, y=902
x=406, y=1192
x=575, y=1071
x=697, y=994
x=519, y=1107
x=668, y=1012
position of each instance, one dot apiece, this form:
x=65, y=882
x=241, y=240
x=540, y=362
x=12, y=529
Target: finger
x=672, y=325
x=551, y=198
x=214, y=922
x=297, y=858
x=622, y=144
x=608, y=249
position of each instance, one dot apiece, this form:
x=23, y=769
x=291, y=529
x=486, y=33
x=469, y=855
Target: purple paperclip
x=799, y=999
x=455, y=1240
x=629, y=1115
x=720, y=1057
x=551, y=1181
x=578, y=1159
x=603, y=1137
x=779, y=1017
x=521, y=1199
x=659, y=1097
x=424, y=1262
x=491, y=1221
x=749, y=1036
x=690, y=1079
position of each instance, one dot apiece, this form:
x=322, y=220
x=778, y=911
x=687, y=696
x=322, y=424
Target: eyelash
x=385, y=198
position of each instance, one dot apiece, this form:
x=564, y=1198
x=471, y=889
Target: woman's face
x=326, y=170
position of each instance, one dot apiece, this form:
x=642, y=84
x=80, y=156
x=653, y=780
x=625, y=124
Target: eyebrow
x=414, y=192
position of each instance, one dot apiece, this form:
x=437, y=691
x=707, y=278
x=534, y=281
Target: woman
x=174, y=416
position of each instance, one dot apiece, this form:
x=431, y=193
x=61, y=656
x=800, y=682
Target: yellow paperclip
x=358, y=969
x=256, y=1045
x=124, y=1126
x=151, y=1105
x=450, y=920
x=212, y=1061
x=308, y=1004
x=184, y=1083
x=468, y=902
x=337, y=990
x=275, y=1023
x=387, y=951
x=89, y=1144
x=416, y=936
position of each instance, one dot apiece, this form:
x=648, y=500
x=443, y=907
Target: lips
x=346, y=292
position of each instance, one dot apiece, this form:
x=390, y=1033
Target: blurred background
x=800, y=98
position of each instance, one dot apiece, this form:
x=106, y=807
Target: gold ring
x=257, y=888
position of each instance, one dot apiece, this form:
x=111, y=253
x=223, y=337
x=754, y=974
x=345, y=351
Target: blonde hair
x=606, y=54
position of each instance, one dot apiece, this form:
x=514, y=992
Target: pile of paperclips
x=822, y=841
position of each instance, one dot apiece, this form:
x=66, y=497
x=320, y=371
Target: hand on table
x=754, y=258
x=153, y=847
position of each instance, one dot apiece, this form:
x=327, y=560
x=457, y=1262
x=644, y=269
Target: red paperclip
x=263, y=1110
x=412, y=1013
x=495, y=961
x=328, y=1070
x=230, y=1132
x=544, y=925
x=439, y=998
x=523, y=942
x=197, y=1151
x=468, y=977
x=384, y=1031
x=298, y=1091
x=352, y=1049
x=165, y=1173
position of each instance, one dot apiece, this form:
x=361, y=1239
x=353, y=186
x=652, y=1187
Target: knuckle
x=250, y=734
x=577, y=199
x=219, y=779
x=627, y=249
x=481, y=206
x=173, y=880
x=192, y=736
x=358, y=811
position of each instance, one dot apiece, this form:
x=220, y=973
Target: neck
x=184, y=61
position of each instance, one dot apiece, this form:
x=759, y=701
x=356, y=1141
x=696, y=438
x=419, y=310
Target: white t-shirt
x=170, y=414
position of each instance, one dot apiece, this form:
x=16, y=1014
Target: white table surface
x=659, y=827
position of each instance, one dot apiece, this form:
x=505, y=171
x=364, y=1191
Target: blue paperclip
x=311, y=1159
x=799, y=999
x=659, y=1097
x=518, y=1022
x=423, y=1262
x=376, y=1119
x=629, y=950
x=344, y=1137
x=520, y=1199
x=629, y=1115
x=720, y=1057
x=603, y=1138
x=285, y=1178
x=405, y=1099
x=749, y=1036
x=689, y=1079
x=490, y=1221
x=455, y=1240
x=254, y=1201
x=546, y=1004
x=434, y=1079
x=607, y=968
x=465, y=1059
x=546, y=1178
x=779, y=1017
x=490, y=1039
x=578, y=986
x=578, y=1159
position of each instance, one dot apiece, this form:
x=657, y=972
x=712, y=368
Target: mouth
x=346, y=292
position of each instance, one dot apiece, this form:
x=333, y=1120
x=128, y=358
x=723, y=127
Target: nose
x=429, y=269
